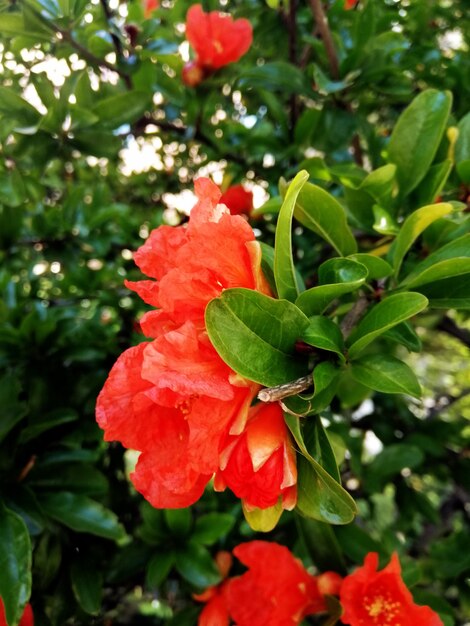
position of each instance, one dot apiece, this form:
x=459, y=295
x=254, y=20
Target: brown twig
x=448, y=326
x=274, y=394
x=353, y=316
x=324, y=29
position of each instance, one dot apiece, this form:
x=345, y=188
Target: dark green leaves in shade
x=412, y=228
x=159, y=567
x=416, y=137
x=390, y=462
x=319, y=495
x=82, y=514
x=383, y=316
x=87, y=585
x=462, y=150
x=121, y=108
x=284, y=271
x=15, y=564
x=321, y=544
x=385, y=373
x=196, y=565
x=255, y=335
x=336, y=277
x=318, y=211
x=211, y=527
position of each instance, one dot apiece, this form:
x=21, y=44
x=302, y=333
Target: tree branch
x=274, y=394
x=353, y=316
x=324, y=30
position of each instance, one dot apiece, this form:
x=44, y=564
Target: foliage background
x=97, y=132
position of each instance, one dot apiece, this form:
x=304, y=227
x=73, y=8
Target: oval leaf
x=336, y=277
x=412, y=228
x=383, y=316
x=323, y=333
x=416, y=137
x=15, y=564
x=385, y=373
x=195, y=564
x=255, y=335
x=284, y=271
x=318, y=211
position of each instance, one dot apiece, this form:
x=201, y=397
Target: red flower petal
x=370, y=597
x=215, y=613
x=27, y=618
x=216, y=38
x=238, y=200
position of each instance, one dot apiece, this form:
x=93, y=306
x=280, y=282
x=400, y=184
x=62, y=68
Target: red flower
x=350, y=4
x=216, y=612
x=372, y=598
x=259, y=464
x=238, y=200
x=173, y=398
x=275, y=591
x=26, y=620
x=216, y=38
x=192, y=74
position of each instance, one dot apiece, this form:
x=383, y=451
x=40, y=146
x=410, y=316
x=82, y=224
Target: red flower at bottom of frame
x=276, y=590
x=26, y=620
x=372, y=598
x=259, y=464
x=238, y=200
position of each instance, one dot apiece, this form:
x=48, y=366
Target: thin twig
x=353, y=316
x=116, y=41
x=448, y=326
x=274, y=394
x=322, y=24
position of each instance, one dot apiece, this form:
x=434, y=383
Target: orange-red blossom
x=217, y=40
x=27, y=619
x=173, y=398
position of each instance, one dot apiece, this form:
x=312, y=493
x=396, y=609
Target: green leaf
x=377, y=267
x=390, y=462
x=15, y=564
x=122, y=108
x=380, y=185
x=384, y=222
x=13, y=25
x=211, y=527
x=321, y=544
x=385, y=373
x=195, y=565
x=412, y=228
x=87, y=585
x=356, y=543
x=416, y=137
x=17, y=107
x=255, y=335
x=444, y=269
x=159, y=567
x=383, y=316
x=318, y=211
x=82, y=514
x=178, y=521
x=405, y=335
x=462, y=150
x=276, y=76
x=433, y=183
x=284, y=271
x=12, y=409
x=319, y=495
x=458, y=248
x=449, y=293
x=323, y=333
x=336, y=277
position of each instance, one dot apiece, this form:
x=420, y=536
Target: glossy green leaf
x=159, y=567
x=318, y=494
x=440, y=271
x=321, y=544
x=412, y=228
x=122, y=108
x=462, y=150
x=416, y=137
x=323, y=333
x=284, y=271
x=13, y=410
x=82, y=514
x=318, y=211
x=276, y=76
x=385, y=373
x=377, y=267
x=325, y=378
x=380, y=184
x=336, y=277
x=178, y=521
x=356, y=542
x=449, y=293
x=15, y=564
x=405, y=335
x=433, y=183
x=195, y=564
x=384, y=222
x=457, y=249
x=87, y=585
x=391, y=311
x=255, y=335
x=211, y=527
